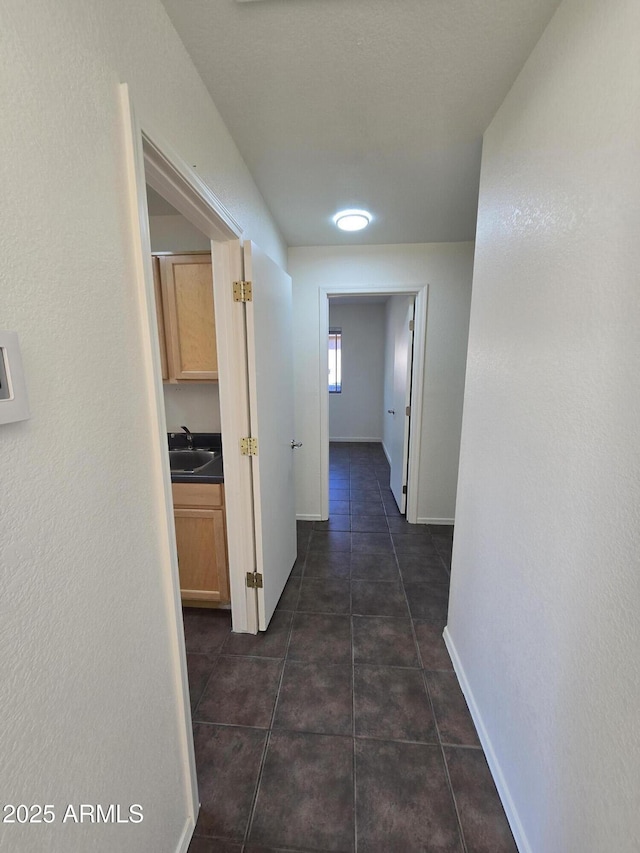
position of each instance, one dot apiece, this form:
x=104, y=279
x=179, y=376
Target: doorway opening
x=390, y=323
x=183, y=288
x=169, y=179
x=258, y=494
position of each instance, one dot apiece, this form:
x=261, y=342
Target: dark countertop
x=213, y=472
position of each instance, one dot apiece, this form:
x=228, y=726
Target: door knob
x=295, y=443
x=391, y=411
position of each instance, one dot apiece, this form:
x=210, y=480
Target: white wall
x=176, y=234
x=194, y=405
x=545, y=602
x=356, y=413
x=90, y=703
x=447, y=267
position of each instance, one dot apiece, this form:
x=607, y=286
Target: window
x=335, y=361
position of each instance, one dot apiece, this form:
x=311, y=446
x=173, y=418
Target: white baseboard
x=386, y=453
x=187, y=834
x=377, y=439
x=311, y=516
x=510, y=809
x=448, y=521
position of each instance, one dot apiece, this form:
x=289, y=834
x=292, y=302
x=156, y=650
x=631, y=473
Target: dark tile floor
x=342, y=727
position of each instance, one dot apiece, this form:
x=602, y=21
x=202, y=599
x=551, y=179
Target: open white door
x=270, y=365
x=400, y=410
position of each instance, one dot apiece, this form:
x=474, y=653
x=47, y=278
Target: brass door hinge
x=254, y=580
x=249, y=446
x=242, y=291
x=411, y=325
x=407, y=411
x=404, y=490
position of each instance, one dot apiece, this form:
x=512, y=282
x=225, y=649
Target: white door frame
x=151, y=159
x=162, y=167
x=420, y=292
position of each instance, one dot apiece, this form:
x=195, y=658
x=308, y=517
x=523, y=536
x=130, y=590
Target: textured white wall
x=447, y=267
x=176, y=234
x=89, y=701
x=197, y=406
x=545, y=602
x=356, y=413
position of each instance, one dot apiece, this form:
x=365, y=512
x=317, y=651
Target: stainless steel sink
x=191, y=461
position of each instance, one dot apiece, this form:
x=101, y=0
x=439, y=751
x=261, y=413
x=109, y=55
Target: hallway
x=342, y=728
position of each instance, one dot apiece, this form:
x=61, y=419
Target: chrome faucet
x=189, y=437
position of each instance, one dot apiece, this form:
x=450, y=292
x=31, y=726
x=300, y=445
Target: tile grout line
x=444, y=764
x=353, y=688
x=232, y=726
x=353, y=718
x=254, y=800
x=338, y=735
x=433, y=710
x=204, y=689
x=353, y=693
x=452, y=791
x=354, y=742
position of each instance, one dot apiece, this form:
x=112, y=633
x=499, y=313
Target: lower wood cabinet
x=198, y=510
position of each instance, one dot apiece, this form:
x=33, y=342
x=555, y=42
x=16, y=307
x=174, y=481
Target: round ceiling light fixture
x=352, y=220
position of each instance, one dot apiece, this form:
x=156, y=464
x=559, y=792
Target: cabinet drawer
x=198, y=494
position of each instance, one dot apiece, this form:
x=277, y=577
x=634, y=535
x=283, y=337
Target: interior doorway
x=242, y=325
x=408, y=422
x=370, y=349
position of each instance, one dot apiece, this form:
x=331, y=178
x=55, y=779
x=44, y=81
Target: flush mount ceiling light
x=352, y=220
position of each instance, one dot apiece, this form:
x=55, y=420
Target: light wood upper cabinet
x=187, y=304
x=160, y=317
x=198, y=511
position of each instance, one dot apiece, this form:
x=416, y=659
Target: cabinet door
x=160, y=317
x=202, y=559
x=187, y=290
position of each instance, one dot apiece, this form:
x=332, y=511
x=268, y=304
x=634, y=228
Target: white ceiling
x=376, y=104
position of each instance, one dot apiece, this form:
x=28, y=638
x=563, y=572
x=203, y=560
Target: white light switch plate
x=14, y=405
